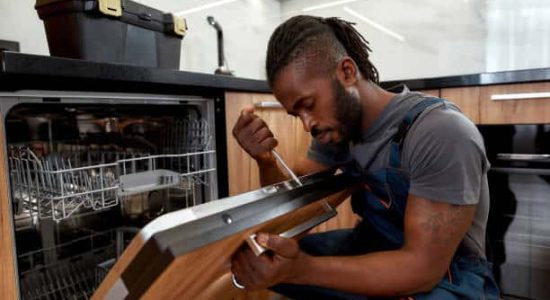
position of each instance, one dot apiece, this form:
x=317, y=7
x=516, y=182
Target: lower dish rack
x=74, y=277
x=58, y=185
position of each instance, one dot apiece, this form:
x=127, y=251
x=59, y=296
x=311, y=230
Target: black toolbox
x=115, y=31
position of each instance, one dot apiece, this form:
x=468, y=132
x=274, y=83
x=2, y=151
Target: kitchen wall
x=410, y=39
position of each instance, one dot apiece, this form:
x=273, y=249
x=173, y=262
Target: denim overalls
x=381, y=205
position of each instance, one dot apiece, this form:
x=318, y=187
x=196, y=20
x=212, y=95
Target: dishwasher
x=88, y=170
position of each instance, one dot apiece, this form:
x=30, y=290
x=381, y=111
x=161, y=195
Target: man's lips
x=323, y=136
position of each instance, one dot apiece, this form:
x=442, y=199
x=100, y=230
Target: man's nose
x=307, y=121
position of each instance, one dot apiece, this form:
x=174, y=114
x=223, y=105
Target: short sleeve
x=445, y=157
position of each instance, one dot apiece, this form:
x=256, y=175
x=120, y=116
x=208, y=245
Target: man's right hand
x=254, y=136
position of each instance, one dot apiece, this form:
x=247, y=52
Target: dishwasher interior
x=86, y=174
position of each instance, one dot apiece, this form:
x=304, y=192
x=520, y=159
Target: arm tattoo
x=443, y=225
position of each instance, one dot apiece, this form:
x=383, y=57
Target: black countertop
x=519, y=76
x=20, y=71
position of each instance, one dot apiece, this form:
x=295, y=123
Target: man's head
x=314, y=65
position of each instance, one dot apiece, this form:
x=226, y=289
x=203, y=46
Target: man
x=424, y=204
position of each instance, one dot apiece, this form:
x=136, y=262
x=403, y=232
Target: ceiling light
x=328, y=4
x=370, y=22
x=203, y=7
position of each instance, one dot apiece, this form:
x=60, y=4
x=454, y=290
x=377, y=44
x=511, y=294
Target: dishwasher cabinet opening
x=85, y=178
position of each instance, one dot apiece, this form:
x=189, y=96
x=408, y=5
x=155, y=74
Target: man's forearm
x=383, y=274
x=270, y=173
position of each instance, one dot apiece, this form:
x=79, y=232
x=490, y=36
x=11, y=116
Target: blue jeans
x=472, y=278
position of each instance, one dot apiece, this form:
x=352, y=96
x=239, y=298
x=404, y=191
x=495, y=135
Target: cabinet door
x=527, y=103
x=467, y=98
x=238, y=161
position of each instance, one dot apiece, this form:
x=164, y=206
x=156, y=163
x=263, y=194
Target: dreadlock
x=320, y=38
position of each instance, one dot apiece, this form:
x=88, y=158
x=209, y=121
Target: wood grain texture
x=204, y=272
x=239, y=163
x=467, y=98
x=116, y=271
x=524, y=111
x=8, y=275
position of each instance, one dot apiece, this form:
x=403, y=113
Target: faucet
x=222, y=68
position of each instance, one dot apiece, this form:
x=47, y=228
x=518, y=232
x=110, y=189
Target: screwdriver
x=285, y=166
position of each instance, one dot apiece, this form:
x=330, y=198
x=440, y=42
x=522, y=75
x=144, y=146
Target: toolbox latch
x=180, y=25
x=111, y=7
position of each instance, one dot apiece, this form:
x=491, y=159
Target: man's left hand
x=259, y=272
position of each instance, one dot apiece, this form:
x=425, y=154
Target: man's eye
x=308, y=103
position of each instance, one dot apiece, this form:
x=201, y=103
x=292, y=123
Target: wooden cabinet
x=467, y=98
x=527, y=103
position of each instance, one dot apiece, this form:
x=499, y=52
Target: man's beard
x=348, y=113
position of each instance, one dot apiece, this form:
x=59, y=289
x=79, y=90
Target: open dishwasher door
x=186, y=254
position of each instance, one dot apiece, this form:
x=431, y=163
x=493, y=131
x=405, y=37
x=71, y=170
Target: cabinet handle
x=523, y=157
x=301, y=228
x=520, y=96
x=268, y=104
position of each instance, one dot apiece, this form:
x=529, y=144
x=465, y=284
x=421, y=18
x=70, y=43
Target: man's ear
x=347, y=72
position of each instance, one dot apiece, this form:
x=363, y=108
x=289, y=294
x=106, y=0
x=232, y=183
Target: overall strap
x=410, y=117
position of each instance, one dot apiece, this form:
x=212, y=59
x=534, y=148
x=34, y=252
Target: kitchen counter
x=519, y=76
x=20, y=71
x=25, y=71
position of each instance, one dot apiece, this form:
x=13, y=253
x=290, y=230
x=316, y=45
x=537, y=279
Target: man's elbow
x=431, y=276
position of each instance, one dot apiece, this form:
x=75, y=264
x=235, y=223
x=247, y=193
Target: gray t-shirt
x=443, y=157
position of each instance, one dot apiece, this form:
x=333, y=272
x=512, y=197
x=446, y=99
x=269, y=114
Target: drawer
x=515, y=104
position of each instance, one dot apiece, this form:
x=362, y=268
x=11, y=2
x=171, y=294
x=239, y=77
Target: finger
x=269, y=143
x=244, y=120
x=248, y=109
x=262, y=134
x=256, y=125
x=279, y=245
x=244, y=269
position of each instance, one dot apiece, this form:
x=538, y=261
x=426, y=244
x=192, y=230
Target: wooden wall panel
x=8, y=286
x=467, y=98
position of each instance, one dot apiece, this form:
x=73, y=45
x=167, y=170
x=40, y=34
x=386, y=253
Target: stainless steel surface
x=268, y=104
x=524, y=157
x=527, y=171
x=285, y=166
x=330, y=212
x=521, y=96
x=52, y=188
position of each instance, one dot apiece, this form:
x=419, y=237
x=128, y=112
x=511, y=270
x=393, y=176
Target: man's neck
x=373, y=99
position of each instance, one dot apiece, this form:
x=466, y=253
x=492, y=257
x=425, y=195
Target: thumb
x=279, y=245
x=247, y=110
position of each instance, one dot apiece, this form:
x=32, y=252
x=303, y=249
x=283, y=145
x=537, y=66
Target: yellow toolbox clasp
x=111, y=7
x=180, y=25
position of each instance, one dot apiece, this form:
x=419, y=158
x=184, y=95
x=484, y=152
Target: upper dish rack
x=55, y=186
x=73, y=177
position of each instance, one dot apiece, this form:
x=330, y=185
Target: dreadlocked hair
x=324, y=39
